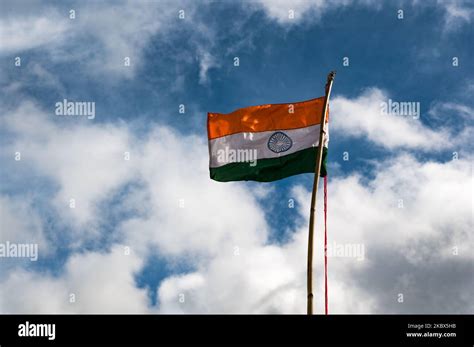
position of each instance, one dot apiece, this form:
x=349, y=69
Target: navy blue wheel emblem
x=279, y=142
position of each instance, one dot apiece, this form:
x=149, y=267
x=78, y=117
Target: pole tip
x=331, y=75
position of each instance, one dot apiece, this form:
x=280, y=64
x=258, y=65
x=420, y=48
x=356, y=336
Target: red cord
x=325, y=243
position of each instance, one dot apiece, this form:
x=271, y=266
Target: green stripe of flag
x=271, y=169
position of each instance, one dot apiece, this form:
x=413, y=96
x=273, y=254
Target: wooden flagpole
x=317, y=172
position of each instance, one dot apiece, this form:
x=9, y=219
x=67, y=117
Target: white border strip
x=255, y=145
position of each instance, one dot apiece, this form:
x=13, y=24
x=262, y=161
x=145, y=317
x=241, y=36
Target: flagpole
x=317, y=172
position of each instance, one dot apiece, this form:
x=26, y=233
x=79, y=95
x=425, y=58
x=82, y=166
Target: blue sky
x=190, y=61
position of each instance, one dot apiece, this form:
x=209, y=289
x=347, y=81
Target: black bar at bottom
x=448, y=330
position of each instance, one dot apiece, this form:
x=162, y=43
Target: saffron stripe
x=265, y=118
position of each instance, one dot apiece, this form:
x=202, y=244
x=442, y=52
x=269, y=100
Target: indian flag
x=266, y=142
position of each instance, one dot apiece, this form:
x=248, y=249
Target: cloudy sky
x=121, y=206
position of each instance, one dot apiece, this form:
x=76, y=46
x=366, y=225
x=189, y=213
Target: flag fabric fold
x=266, y=142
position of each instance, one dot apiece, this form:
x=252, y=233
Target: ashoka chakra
x=279, y=142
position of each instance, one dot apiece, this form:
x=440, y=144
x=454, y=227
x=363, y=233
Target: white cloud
x=23, y=33
x=456, y=14
x=87, y=162
x=206, y=62
x=138, y=22
x=189, y=213
x=436, y=216
x=111, y=33
x=45, y=78
x=456, y=116
x=363, y=117
x=221, y=230
x=279, y=10
x=447, y=109
x=15, y=228
x=97, y=45
x=99, y=282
